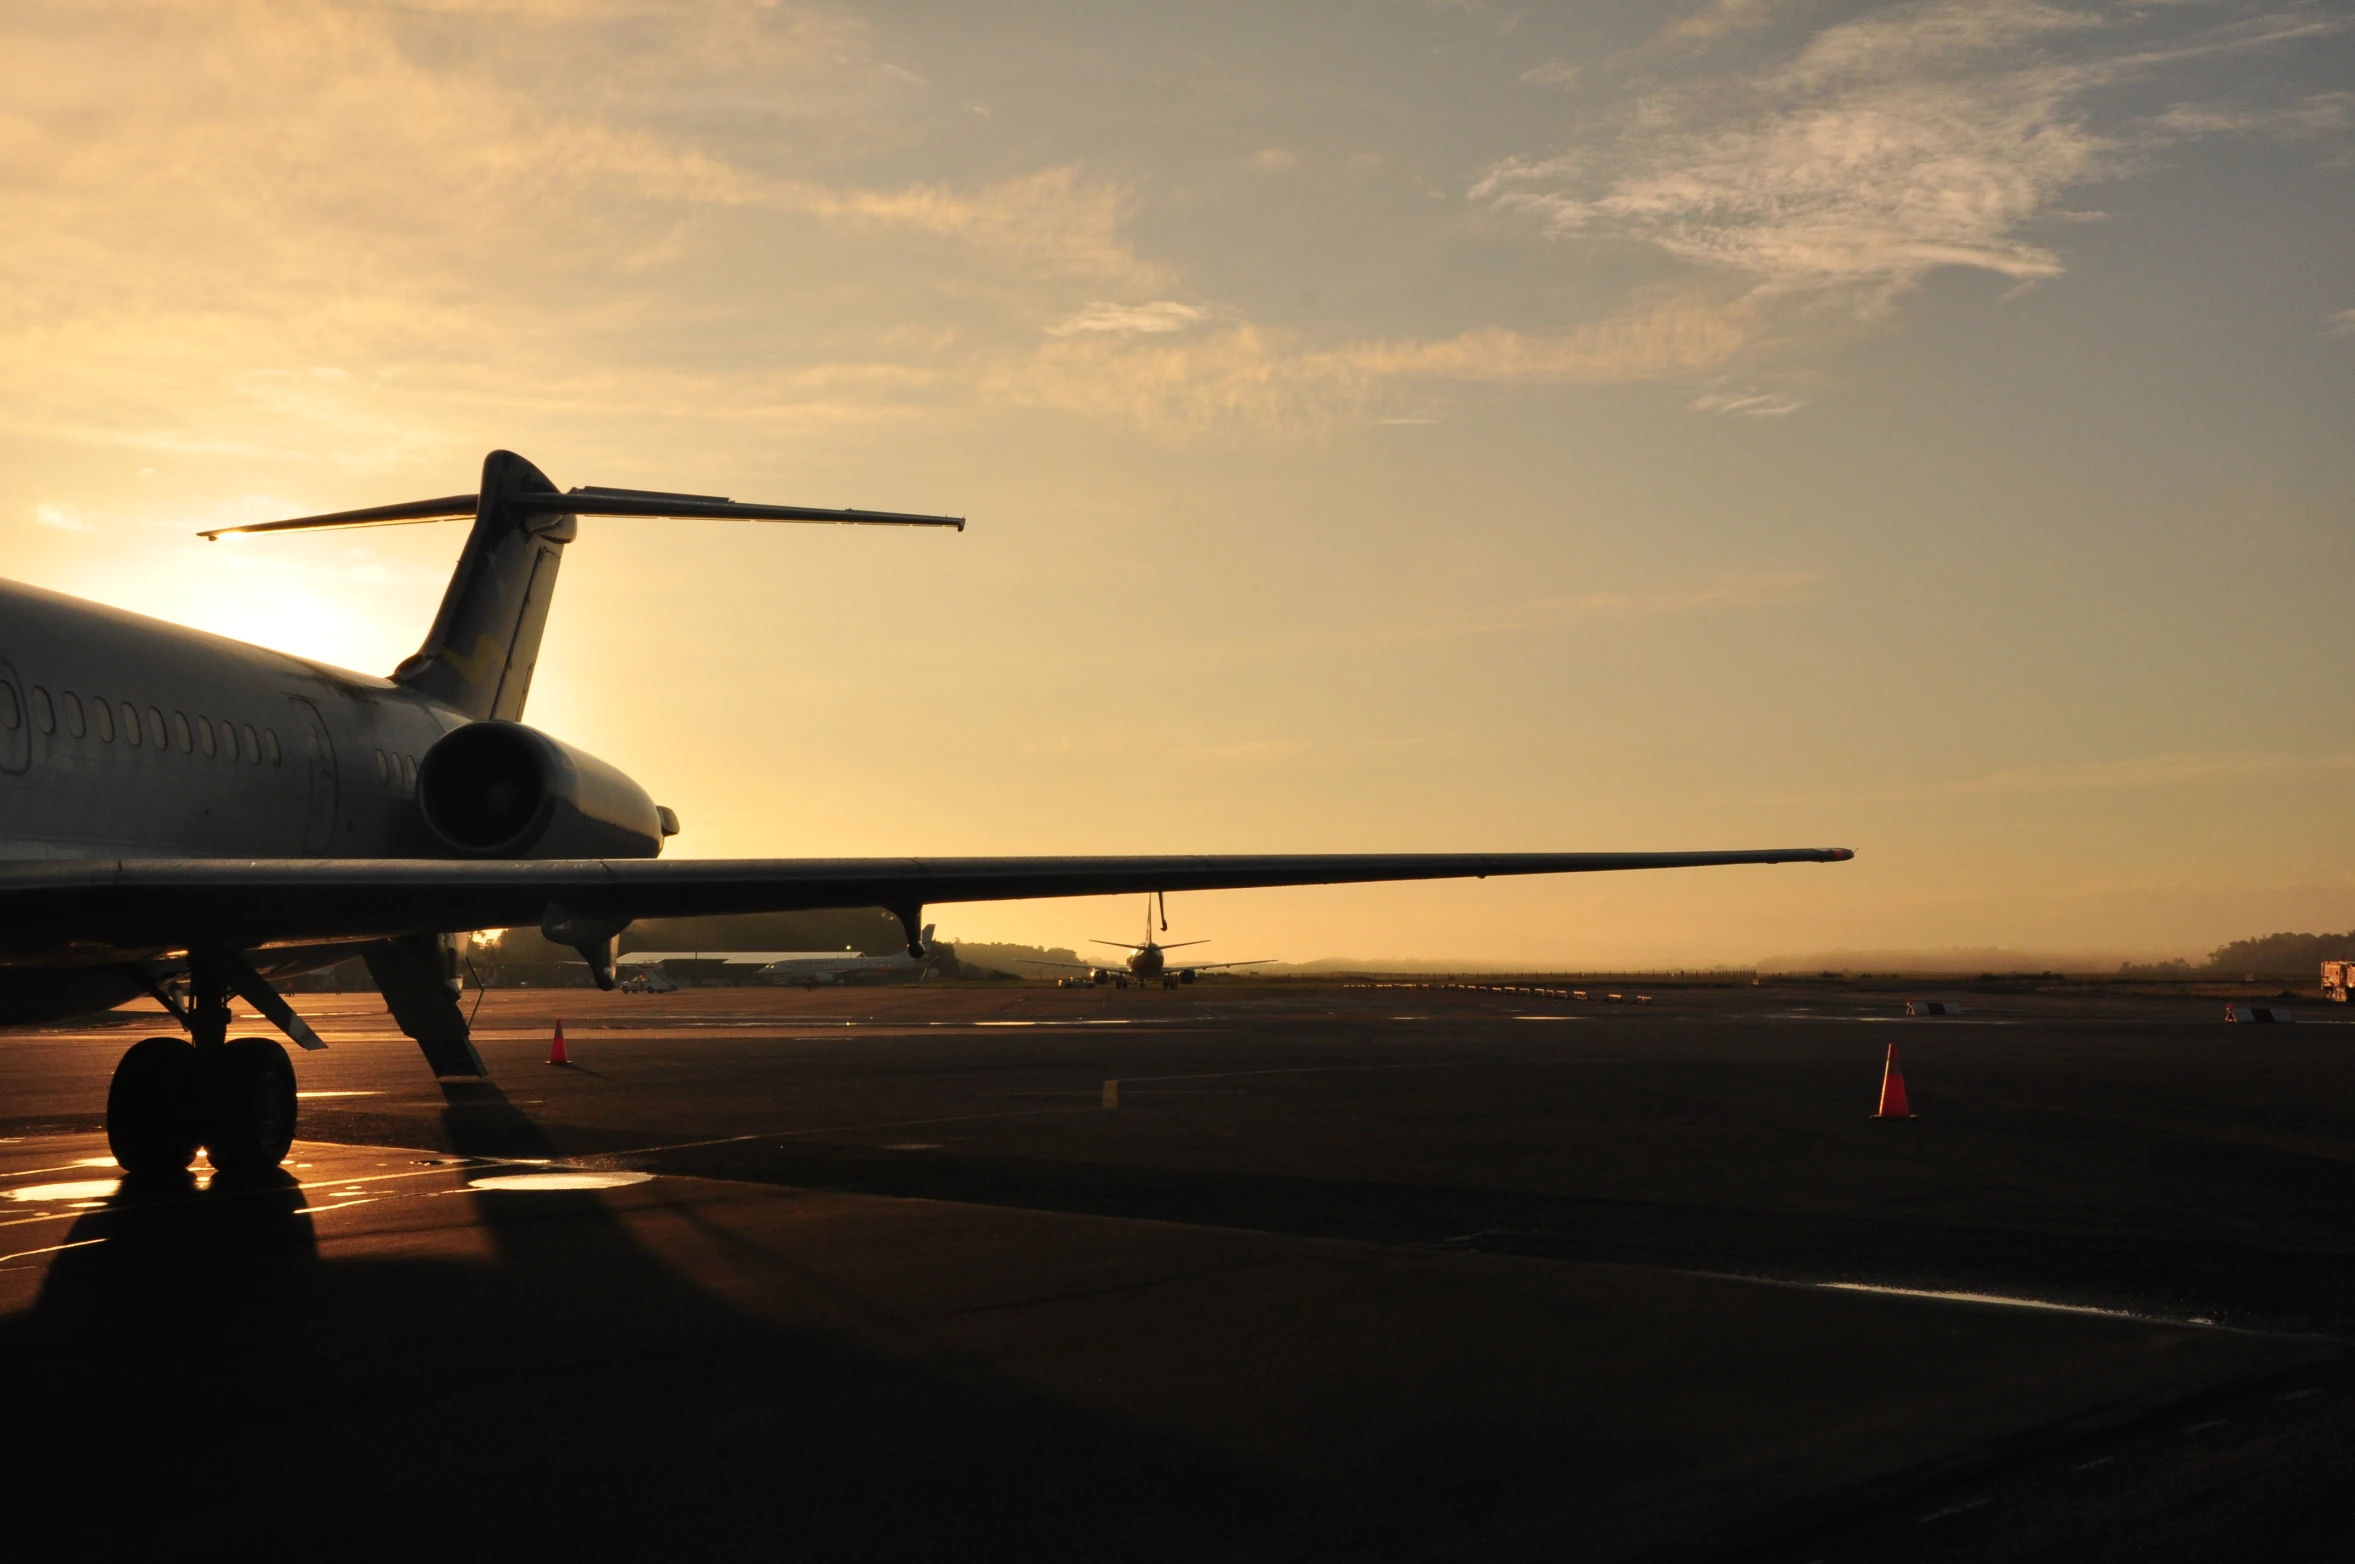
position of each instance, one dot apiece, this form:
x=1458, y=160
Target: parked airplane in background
x=189, y=817
x=1149, y=962
x=806, y=967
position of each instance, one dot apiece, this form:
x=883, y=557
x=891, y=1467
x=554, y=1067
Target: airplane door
x=319, y=757
x=16, y=721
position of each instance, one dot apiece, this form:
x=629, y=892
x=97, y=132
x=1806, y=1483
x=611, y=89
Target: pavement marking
x=2001, y=1299
x=27, y=1254
x=1310, y=1069
x=308, y=1095
x=830, y=1129
x=2099, y=1460
x=1954, y=1509
x=2201, y=1428
x=2299, y=1395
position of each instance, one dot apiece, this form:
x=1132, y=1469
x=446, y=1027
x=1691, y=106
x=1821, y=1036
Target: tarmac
x=1243, y=1271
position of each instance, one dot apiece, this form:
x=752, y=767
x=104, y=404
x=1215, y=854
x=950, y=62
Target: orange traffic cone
x=557, y=1055
x=1893, y=1090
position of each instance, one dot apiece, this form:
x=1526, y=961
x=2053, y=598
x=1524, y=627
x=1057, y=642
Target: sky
x=1924, y=428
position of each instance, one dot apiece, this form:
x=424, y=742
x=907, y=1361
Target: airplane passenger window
x=180, y=732
x=270, y=743
x=44, y=714
x=155, y=729
x=229, y=739
x=12, y=716
x=204, y=735
x=383, y=773
x=104, y=714
x=409, y=773
x=131, y=723
x=73, y=713
x=253, y=747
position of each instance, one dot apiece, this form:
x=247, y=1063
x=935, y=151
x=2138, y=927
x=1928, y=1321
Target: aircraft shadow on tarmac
x=570, y=1392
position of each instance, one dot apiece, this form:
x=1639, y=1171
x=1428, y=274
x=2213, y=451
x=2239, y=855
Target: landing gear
x=245, y=1089
x=233, y=1096
x=235, y=1099
x=150, y=1118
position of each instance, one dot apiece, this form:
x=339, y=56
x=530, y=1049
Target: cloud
x=1718, y=18
x=61, y=517
x=1162, y=315
x=1921, y=136
x=1747, y=404
x=1253, y=384
x=2340, y=324
x=1553, y=73
x=232, y=196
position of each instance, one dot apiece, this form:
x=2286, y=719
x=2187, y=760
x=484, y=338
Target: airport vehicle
x=1149, y=962
x=189, y=817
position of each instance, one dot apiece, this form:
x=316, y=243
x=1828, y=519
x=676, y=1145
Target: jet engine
x=1185, y=975
x=502, y=790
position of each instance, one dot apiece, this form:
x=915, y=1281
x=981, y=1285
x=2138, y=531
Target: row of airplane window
x=216, y=740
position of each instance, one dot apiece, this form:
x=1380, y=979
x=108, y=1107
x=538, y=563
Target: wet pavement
x=1331, y=1273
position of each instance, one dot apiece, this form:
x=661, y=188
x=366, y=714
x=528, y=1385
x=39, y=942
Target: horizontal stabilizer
x=593, y=502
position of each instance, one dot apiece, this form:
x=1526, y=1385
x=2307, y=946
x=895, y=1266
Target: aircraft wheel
x=248, y=1111
x=150, y=1122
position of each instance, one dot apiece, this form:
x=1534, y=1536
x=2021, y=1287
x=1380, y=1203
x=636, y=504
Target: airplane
x=806, y=967
x=1148, y=962
x=192, y=817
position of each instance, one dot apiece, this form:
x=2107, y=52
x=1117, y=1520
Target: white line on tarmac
x=27, y=1254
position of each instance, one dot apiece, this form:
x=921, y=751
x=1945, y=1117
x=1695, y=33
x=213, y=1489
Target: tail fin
x=485, y=641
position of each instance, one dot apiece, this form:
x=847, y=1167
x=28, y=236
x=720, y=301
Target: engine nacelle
x=502, y=790
x=1186, y=975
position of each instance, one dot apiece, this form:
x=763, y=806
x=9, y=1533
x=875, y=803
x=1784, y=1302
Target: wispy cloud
x=63, y=518
x=1916, y=137
x=2340, y=324
x=1748, y=404
x=1557, y=74
x=1123, y=320
x=1719, y=17
x=1253, y=383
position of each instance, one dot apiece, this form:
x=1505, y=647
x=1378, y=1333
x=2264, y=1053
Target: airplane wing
x=102, y=909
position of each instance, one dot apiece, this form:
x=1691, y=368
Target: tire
x=150, y=1108
x=248, y=1115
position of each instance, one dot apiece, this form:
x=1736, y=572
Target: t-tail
x=485, y=641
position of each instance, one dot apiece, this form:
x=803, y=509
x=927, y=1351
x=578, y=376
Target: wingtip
x=1842, y=854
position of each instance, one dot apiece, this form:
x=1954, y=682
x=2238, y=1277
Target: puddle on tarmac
x=79, y=1189
x=534, y=1182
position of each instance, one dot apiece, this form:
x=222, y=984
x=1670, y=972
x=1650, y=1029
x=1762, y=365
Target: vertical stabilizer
x=485, y=641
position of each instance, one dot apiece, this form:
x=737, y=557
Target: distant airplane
x=806, y=967
x=1149, y=961
x=191, y=817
